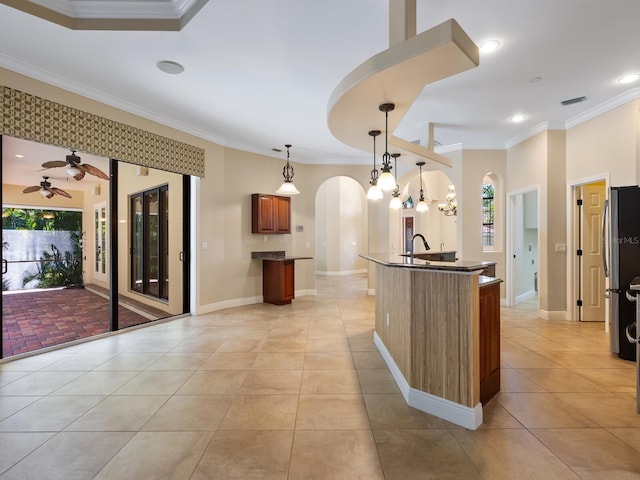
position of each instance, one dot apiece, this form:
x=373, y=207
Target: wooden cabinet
x=278, y=281
x=489, y=270
x=489, y=341
x=270, y=214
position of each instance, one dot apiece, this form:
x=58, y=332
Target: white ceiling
x=259, y=73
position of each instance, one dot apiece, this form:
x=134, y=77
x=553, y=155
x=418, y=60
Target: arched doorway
x=341, y=227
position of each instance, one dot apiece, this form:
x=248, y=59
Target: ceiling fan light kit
x=46, y=189
x=75, y=167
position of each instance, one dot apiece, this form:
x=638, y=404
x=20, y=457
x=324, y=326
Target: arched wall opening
x=440, y=230
x=341, y=227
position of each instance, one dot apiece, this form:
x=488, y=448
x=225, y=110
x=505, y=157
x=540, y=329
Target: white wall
x=474, y=165
x=606, y=145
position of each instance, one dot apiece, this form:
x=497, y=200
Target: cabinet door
x=283, y=214
x=288, y=280
x=489, y=341
x=270, y=214
x=263, y=214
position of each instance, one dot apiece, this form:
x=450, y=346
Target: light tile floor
x=300, y=392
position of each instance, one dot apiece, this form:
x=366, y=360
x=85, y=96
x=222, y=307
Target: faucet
x=442, y=246
x=426, y=245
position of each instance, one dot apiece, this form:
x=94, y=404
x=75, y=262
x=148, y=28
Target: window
x=149, y=242
x=488, y=227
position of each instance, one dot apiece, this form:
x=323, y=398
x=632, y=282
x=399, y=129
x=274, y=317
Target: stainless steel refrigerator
x=622, y=265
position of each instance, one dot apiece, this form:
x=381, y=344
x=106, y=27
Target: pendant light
x=287, y=187
x=422, y=205
x=374, y=192
x=386, y=182
x=395, y=203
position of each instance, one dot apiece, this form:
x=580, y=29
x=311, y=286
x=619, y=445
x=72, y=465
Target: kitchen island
x=429, y=332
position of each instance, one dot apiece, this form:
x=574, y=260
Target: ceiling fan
x=75, y=168
x=46, y=190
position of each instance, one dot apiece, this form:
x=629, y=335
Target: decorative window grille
x=488, y=227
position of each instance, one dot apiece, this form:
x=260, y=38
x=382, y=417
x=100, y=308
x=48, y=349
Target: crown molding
x=79, y=89
x=113, y=8
x=513, y=141
x=152, y=15
x=604, y=107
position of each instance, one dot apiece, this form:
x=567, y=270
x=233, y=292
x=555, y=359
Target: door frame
x=97, y=240
x=511, y=270
x=572, y=264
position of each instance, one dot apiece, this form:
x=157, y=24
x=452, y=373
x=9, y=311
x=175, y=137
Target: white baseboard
x=240, y=302
x=236, y=302
x=331, y=273
x=453, y=412
x=525, y=296
x=553, y=315
x=306, y=293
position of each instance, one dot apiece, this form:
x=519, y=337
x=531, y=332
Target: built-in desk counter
x=278, y=276
x=428, y=329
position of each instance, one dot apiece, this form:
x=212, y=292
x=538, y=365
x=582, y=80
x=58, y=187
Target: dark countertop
x=395, y=260
x=277, y=255
x=430, y=252
x=485, y=281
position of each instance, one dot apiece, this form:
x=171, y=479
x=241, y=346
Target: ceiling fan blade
x=80, y=175
x=95, y=171
x=59, y=191
x=54, y=164
x=33, y=188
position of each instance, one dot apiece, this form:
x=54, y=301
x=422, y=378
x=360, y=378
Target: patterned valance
x=33, y=118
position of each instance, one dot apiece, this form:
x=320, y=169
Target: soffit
x=160, y=15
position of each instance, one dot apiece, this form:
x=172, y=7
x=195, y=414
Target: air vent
x=571, y=101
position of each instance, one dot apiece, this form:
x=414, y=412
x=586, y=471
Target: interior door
x=100, y=241
x=592, y=279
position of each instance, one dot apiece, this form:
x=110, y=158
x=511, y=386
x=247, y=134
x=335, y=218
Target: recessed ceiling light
x=168, y=66
x=489, y=46
x=518, y=117
x=19, y=156
x=629, y=78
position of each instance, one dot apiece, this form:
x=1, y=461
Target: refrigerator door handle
x=604, y=237
x=630, y=337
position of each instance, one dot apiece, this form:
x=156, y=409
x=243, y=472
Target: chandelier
x=450, y=206
x=287, y=187
x=374, y=192
x=386, y=181
x=422, y=205
x=395, y=203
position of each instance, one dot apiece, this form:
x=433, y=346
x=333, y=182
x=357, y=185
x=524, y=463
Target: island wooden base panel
x=428, y=321
x=453, y=412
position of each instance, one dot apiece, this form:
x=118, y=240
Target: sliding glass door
x=120, y=263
